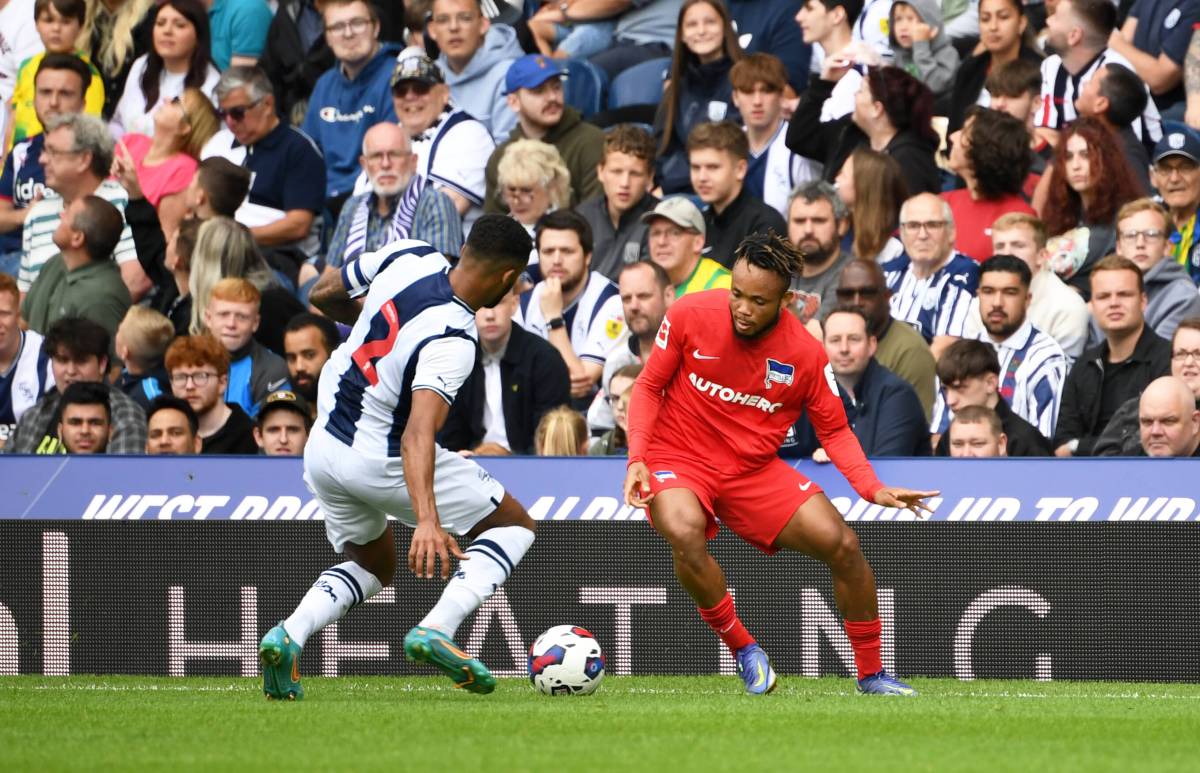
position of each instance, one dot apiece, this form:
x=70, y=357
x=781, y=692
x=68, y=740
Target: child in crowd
x=141, y=341
x=920, y=44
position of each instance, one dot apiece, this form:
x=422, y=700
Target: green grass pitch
x=667, y=724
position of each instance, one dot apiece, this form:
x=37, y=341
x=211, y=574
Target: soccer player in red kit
x=730, y=372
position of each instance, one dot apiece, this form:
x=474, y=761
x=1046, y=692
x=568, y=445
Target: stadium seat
x=641, y=84
x=585, y=87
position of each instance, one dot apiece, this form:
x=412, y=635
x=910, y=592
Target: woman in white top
x=178, y=59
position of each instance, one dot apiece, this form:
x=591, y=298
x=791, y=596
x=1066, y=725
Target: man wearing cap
x=676, y=238
x=283, y=424
x=400, y=204
x=535, y=94
x=1176, y=175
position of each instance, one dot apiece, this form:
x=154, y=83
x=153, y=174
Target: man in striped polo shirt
x=676, y=239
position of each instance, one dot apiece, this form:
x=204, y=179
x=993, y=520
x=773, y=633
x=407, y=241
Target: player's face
x=283, y=433
x=495, y=324
x=561, y=256
x=306, y=354
x=716, y=175
x=200, y=385
x=1168, y=428
x=1003, y=301
x=760, y=107
x=1177, y=178
x=848, y=344
x=813, y=229
x=56, y=92
x=1142, y=237
x=418, y=111
x=168, y=433
x=10, y=323
x=756, y=298
x=68, y=368
x=814, y=21
x=926, y=234
x=1019, y=242
x=233, y=323
x=625, y=179
x=976, y=390
x=976, y=441
x=1117, y=305
x=1185, y=358
x=644, y=303
x=84, y=429
x=675, y=249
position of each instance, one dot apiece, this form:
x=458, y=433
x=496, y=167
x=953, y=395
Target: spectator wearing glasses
x=1176, y=175
x=199, y=368
x=1169, y=419
x=172, y=428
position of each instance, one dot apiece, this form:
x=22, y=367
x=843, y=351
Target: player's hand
x=905, y=499
x=821, y=456
x=430, y=544
x=551, y=301
x=637, y=486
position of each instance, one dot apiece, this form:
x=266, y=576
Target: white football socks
x=336, y=591
x=493, y=554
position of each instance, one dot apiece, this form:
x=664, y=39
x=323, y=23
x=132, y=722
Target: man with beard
x=199, y=368
x=817, y=221
x=401, y=204
x=308, y=341
x=574, y=308
x=172, y=428
x=1033, y=366
x=1176, y=175
x=676, y=238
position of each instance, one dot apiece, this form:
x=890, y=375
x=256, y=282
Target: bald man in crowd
x=1170, y=422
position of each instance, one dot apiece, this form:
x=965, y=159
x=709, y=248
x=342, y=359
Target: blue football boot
x=883, y=683
x=755, y=669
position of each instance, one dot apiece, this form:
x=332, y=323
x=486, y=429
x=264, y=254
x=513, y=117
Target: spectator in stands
x=535, y=94
x=308, y=341
x=817, y=221
x=1109, y=374
x=645, y=29
x=283, y=424
x=199, y=368
x=475, y=55
x=78, y=351
x=1155, y=43
x=85, y=420
x=225, y=249
x=25, y=366
x=759, y=82
x=719, y=155
x=1169, y=419
x=399, y=205
x=232, y=316
x=976, y=433
x=1117, y=96
x=617, y=393
x=882, y=409
x=892, y=114
x=991, y=154
x=287, y=182
x=697, y=90
x=1121, y=437
x=532, y=180
x=574, y=308
x=932, y=284
x=239, y=31
x=1176, y=175
x=900, y=349
x=1090, y=181
x=676, y=237
x=561, y=432
x=173, y=299
x=58, y=24
x=218, y=188
x=1015, y=88
x=452, y=147
x=178, y=59
x=60, y=83
x=871, y=184
x=172, y=428
x=76, y=156
x=140, y=343
x=562, y=38
x=1144, y=230
x=1005, y=35
x=115, y=35
x=828, y=26
x=352, y=96
x=626, y=173
x=920, y=44
x=81, y=280
x=519, y=378
x=970, y=375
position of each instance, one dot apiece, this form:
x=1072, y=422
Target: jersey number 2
x=379, y=341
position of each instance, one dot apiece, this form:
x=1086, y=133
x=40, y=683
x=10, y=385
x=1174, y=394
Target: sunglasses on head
x=238, y=113
x=418, y=88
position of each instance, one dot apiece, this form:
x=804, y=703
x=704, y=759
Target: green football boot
x=426, y=645
x=280, y=658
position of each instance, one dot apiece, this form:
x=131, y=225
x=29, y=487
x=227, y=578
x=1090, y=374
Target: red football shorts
x=754, y=505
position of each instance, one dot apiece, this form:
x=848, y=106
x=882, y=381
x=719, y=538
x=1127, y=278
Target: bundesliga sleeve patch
x=664, y=332
x=830, y=380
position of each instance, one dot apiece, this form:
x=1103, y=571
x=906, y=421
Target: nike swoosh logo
x=804, y=486
x=696, y=353
x=296, y=669
x=273, y=385
x=762, y=676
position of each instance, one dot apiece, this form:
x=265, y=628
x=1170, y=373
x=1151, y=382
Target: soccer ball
x=566, y=660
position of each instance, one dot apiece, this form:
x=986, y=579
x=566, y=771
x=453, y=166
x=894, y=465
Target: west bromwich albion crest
x=779, y=373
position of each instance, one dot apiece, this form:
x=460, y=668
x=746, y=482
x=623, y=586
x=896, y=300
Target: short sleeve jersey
x=595, y=320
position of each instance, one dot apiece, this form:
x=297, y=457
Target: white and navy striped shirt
x=413, y=333
x=1033, y=367
x=27, y=379
x=595, y=319
x=938, y=304
x=37, y=236
x=1060, y=88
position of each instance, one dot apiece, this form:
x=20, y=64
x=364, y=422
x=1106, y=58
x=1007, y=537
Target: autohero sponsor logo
x=727, y=395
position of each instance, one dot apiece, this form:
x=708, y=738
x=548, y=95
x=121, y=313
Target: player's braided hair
x=771, y=252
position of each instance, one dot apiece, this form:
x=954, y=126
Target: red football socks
x=864, y=638
x=723, y=619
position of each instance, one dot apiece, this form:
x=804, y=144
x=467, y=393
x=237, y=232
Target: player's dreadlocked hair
x=771, y=252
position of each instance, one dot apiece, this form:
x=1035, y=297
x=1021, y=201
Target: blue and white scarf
x=399, y=227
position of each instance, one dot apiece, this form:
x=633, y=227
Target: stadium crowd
x=996, y=203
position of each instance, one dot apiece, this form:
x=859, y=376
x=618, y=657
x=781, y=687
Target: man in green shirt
x=82, y=280
x=676, y=237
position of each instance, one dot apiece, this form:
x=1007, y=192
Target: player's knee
x=846, y=551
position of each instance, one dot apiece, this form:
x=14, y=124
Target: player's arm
x=665, y=359
x=336, y=292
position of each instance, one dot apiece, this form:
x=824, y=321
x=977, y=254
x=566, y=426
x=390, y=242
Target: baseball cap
x=413, y=64
x=679, y=210
x=284, y=399
x=531, y=71
x=1178, y=142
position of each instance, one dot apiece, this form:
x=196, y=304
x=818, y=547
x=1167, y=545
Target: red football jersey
x=727, y=402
